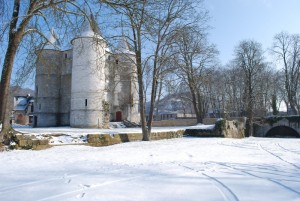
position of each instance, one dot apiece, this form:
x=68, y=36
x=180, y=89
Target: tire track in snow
x=287, y=150
x=259, y=177
x=278, y=157
x=226, y=192
x=87, y=187
x=238, y=145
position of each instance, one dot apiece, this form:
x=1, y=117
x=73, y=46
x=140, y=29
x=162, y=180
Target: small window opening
x=85, y=102
x=40, y=106
x=66, y=56
x=117, y=61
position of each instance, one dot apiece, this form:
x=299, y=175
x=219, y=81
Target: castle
x=86, y=86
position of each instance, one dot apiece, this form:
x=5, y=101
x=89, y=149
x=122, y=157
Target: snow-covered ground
x=183, y=169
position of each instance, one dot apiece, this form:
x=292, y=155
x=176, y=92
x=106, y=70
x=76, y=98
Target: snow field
x=167, y=170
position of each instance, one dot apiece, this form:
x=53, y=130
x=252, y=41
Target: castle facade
x=87, y=86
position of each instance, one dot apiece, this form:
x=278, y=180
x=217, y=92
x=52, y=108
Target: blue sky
x=260, y=20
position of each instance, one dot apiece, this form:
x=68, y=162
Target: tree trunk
x=141, y=97
x=195, y=105
x=158, y=98
x=5, y=134
x=200, y=108
x=13, y=44
x=250, y=105
x=153, y=95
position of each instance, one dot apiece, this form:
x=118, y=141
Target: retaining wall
x=222, y=128
x=30, y=142
x=174, y=122
x=99, y=140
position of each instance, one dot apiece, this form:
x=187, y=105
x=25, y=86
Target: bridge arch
x=283, y=132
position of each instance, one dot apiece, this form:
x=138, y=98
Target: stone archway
x=282, y=132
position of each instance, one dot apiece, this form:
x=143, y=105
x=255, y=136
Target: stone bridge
x=285, y=126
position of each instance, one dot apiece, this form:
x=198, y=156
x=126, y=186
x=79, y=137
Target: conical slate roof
x=90, y=28
x=123, y=46
x=53, y=42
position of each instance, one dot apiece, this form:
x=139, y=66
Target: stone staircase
x=130, y=124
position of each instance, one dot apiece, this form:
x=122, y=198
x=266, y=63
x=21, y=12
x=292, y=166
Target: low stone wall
x=29, y=142
x=174, y=122
x=203, y=133
x=222, y=128
x=99, y=140
x=235, y=128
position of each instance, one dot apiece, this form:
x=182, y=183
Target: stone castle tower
x=87, y=86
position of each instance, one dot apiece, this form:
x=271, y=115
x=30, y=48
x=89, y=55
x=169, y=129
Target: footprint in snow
x=79, y=196
x=68, y=181
x=189, y=155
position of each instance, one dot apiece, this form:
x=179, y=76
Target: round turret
x=88, y=79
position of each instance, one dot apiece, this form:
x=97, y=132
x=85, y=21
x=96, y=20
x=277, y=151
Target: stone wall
x=235, y=129
x=99, y=140
x=222, y=128
x=261, y=126
x=203, y=133
x=29, y=142
x=174, y=122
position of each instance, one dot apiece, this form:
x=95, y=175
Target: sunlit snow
x=168, y=170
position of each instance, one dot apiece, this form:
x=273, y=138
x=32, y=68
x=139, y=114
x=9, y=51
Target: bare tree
x=25, y=18
x=286, y=48
x=195, y=56
x=249, y=58
x=153, y=23
x=135, y=14
x=167, y=18
x=233, y=86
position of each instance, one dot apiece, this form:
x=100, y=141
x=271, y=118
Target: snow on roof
x=22, y=102
x=87, y=31
x=123, y=47
x=53, y=42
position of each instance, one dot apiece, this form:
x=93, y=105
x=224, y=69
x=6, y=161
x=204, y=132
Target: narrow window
x=85, y=102
x=117, y=61
x=66, y=55
x=32, y=108
x=37, y=90
x=40, y=106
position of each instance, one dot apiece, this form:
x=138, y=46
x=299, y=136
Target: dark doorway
x=119, y=116
x=282, y=132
